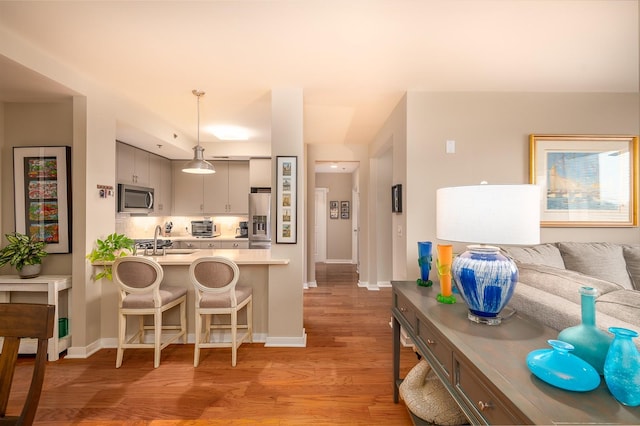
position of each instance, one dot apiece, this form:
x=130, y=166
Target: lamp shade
x=489, y=214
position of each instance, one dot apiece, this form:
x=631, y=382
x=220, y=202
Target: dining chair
x=215, y=280
x=17, y=321
x=142, y=294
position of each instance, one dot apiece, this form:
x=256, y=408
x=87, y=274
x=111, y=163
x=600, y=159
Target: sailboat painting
x=586, y=181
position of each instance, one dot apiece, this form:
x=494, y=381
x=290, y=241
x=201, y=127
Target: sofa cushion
x=632, y=257
x=541, y=254
x=562, y=282
x=600, y=260
x=621, y=304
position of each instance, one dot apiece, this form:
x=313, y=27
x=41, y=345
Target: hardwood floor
x=343, y=376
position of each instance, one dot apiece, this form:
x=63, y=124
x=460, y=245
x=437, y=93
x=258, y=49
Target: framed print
x=42, y=193
x=286, y=200
x=396, y=198
x=344, y=210
x=585, y=181
x=333, y=209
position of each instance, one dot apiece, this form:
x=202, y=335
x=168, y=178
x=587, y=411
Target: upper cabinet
x=161, y=180
x=132, y=165
x=260, y=173
x=224, y=192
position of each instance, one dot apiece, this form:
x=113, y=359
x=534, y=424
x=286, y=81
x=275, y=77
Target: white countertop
x=192, y=238
x=240, y=256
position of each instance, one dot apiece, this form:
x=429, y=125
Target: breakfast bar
x=254, y=268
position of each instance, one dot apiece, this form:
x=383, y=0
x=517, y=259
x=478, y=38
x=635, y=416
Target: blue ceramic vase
x=622, y=367
x=486, y=280
x=589, y=342
x=424, y=262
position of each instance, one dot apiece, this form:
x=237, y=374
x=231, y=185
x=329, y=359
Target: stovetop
x=148, y=243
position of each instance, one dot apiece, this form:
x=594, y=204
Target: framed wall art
x=344, y=210
x=396, y=198
x=333, y=209
x=286, y=199
x=585, y=181
x=42, y=193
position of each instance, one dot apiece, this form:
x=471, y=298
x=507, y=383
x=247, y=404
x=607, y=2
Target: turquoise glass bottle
x=622, y=367
x=590, y=343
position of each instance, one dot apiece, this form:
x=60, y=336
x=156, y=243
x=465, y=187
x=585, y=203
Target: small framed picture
x=344, y=210
x=396, y=198
x=333, y=209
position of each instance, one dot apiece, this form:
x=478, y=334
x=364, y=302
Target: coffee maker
x=243, y=230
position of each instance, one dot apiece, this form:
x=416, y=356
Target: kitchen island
x=254, y=268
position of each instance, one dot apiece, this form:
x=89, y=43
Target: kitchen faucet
x=156, y=233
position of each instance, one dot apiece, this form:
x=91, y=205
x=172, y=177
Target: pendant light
x=198, y=165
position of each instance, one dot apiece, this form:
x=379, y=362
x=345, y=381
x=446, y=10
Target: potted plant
x=24, y=253
x=113, y=246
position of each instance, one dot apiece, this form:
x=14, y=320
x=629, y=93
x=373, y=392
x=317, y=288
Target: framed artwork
x=585, y=181
x=396, y=198
x=344, y=210
x=286, y=200
x=333, y=209
x=42, y=193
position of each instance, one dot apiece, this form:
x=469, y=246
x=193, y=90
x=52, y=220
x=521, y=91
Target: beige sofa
x=550, y=276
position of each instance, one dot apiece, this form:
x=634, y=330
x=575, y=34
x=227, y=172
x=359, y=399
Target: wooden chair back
x=18, y=320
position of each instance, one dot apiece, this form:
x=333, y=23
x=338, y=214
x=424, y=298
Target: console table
x=52, y=285
x=484, y=367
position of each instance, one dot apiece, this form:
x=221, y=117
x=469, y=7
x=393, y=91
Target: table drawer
x=438, y=347
x=406, y=309
x=480, y=397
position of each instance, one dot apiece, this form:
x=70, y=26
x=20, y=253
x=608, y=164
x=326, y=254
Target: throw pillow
x=600, y=260
x=632, y=257
x=541, y=254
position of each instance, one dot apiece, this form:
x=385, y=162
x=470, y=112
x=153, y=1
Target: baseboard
x=287, y=342
x=311, y=284
x=339, y=261
x=82, y=352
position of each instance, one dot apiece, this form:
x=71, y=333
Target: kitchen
x=176, y=217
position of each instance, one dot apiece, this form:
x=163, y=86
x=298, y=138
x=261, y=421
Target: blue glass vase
x=589, y=342
x=424, y=262
x=622, y=367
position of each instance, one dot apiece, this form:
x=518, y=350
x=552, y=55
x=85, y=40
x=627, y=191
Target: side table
x=53, y=285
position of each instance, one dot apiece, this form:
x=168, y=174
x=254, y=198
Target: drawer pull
x=431, y=342
x=484, y=405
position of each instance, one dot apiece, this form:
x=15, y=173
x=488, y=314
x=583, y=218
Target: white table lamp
x=487, y=214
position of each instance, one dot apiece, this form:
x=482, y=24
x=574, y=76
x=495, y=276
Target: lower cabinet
x=211, y=245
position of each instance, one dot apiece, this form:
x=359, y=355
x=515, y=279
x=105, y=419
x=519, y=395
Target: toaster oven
x=203, y=228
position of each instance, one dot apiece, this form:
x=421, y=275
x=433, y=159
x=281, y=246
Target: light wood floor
x=343, y=376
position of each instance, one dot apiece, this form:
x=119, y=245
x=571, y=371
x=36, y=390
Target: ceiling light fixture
x=198, y=165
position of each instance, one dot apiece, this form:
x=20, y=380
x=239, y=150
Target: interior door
x=320, y=231
x=355, y=222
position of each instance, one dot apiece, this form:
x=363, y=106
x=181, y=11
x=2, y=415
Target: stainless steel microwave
x=135, y=199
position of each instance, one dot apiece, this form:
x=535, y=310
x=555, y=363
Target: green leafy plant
x=113, y=246
x=22, y=250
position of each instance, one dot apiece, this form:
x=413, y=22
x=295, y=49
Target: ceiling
x=354, y=59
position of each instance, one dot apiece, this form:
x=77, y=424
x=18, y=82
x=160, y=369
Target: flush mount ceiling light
x=229, y=133
x=198, y=165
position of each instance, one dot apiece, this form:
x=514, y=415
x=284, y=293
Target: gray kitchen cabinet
x=160, y=178
x=224, y=192
x=132, y=165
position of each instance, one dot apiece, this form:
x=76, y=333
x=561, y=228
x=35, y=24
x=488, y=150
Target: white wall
x=339, y=231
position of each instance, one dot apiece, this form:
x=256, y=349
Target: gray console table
x=484, y=367
x=52, y=285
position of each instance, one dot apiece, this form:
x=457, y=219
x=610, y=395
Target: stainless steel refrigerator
x=259, y=220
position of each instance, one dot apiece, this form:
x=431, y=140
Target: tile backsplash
x=138, y=227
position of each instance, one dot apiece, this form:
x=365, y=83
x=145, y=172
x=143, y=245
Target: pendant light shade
x=198, y=165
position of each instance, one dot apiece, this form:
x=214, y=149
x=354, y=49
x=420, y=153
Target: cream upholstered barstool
x=141, y=294
x=216, y=293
